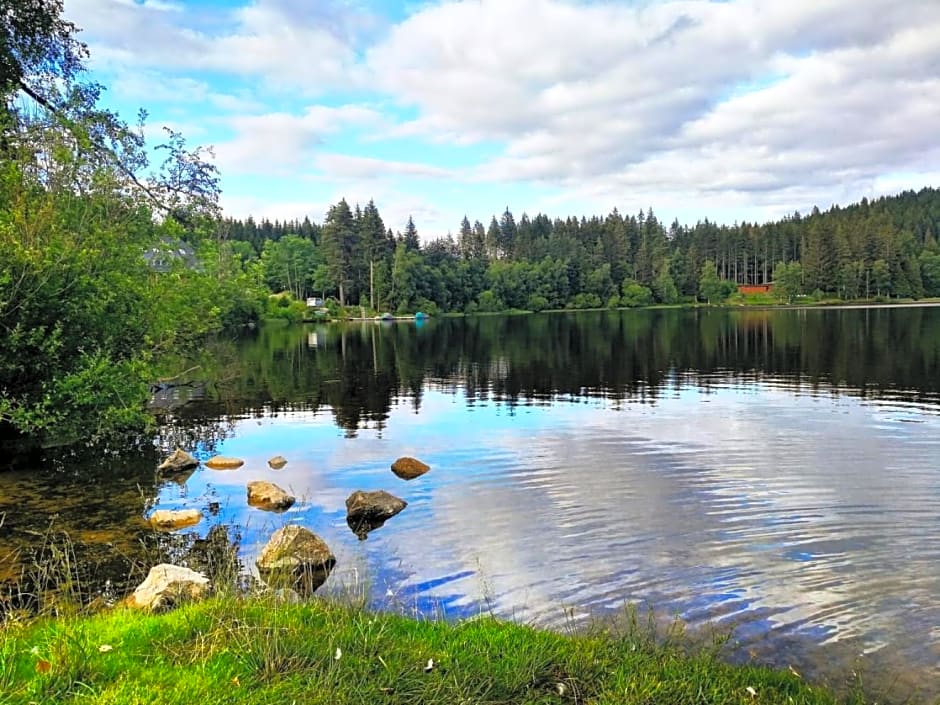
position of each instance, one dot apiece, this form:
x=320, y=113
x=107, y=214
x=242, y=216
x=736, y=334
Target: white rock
x=168, y=584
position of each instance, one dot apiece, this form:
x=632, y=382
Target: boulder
x=167, y=585
x=220, y=462
x=277, y=462
x=295, y=558
x=178, y=461
x=168, y=519
x=409, y=468
x=366, y=511
x=267, y=495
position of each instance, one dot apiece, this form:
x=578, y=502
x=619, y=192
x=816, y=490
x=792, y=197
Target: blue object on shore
x=419, y=316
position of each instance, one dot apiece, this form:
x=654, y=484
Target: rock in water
x=168, y=520
x=295, y=558
x=366, y=511
x=277, y=462
x=167, y=585
x=220, y=462
x=267, y=495
x=178, y=461
x=409, y=468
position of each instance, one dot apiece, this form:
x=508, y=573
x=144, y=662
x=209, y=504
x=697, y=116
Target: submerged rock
x=295, y=558
x=267, y=495
x=366, y=511
x=167, y=585
x=178, y=461
x=220, y=462
x=409, y=468
x=277, y=462
x=169, y=519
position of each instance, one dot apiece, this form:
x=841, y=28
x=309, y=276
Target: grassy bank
x=258, y=651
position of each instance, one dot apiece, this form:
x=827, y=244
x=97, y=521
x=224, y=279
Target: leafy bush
x=537, y=303
x=490, y=303
x=581, y=301
x=635, y=294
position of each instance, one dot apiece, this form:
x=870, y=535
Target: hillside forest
x=885, y=248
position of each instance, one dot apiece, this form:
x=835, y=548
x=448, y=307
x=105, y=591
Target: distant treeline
x=881, y=248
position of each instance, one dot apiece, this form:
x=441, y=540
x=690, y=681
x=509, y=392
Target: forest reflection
x=358, y=371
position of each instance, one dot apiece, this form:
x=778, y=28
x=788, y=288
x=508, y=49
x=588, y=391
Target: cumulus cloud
x=742, y=103
x=694, y=97
x=301, y=46
x=282, y=141
x=350, y=167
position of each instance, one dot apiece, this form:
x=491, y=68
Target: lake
x=775, y=473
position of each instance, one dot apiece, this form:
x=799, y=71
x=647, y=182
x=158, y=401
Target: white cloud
x=747, y=104
x=605, y=98
x=350, y=167
x=281, y=142
x=279, y=41
x=396, y=204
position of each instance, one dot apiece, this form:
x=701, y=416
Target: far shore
x=732, y=306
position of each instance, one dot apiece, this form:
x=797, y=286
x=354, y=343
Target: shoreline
x=848, y=306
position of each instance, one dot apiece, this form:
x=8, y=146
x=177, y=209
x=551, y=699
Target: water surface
x=773, y=472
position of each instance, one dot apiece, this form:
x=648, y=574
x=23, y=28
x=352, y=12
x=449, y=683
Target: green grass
x=253, y=650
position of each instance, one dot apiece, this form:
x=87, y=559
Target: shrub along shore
x=259, y=650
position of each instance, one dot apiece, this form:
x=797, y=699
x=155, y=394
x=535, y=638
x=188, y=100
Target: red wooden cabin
x=755, y=288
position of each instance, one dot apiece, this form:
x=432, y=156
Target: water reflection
x=774, y=471
x=358, y=372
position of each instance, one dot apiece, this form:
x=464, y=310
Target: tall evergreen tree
x=411, y=240
x=338, y=242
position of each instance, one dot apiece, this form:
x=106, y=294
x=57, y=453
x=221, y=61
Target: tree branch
x=40, y=100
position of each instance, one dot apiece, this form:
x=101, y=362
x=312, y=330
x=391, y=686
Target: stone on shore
x=220, y=462
x=277, y=462
x=409, y=468
x=268, y=496
x=168, y=585
x=178, y=461
x=169, y=519
x=366, y=511
x=295, y=558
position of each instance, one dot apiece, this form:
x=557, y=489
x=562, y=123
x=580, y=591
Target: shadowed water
x=777, y=473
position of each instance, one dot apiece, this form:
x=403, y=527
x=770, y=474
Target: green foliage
x=881, y=277
x=584, y=301
x=537, y=303
x=283, y=307
x=258, y=650
x=600, y=283
x=92, y=287
x=665, y=288
x=36, y=44
x=289, y=265
x=635, y=294
x=930, y=272
x=710, y=287
x=560, y=259
x=489, y=303
x=788, y=280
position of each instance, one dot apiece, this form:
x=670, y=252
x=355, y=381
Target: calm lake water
x=773, y=472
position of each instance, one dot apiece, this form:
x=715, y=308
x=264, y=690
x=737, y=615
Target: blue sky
x=734, y=110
